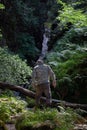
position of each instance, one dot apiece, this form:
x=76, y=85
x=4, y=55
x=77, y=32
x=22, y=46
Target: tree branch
x=31, y=94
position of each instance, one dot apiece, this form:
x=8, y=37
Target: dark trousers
x=43, y=88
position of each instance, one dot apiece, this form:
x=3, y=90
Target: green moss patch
x=47, y=119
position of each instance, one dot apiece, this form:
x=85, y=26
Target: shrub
x=48, y=119
x=30, y=102
x=9, y=107
x=12, y=68
x=40, y=120
x=27, y=45
x=72, y=74
x=70, y=15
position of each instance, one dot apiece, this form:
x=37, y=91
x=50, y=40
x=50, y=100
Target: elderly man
x=41, y=76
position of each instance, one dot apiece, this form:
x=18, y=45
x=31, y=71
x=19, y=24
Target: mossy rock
x=2, y=126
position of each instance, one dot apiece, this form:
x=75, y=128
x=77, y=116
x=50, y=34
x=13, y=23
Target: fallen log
x=31, y=94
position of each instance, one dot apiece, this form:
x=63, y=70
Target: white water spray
x=46, y=36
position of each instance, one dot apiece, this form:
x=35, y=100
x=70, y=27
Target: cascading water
x=46, y=36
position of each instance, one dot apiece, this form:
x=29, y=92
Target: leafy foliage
x=78, y=34
x=23, y=29
x=23, y=26
x=12, y=68
x=69, y=53
x=65, y=47
x=68, y=60
x=2, y=6
x=73, y=62
x=26, y=14
x=0, y=34
x=9, y=107
x=71, y=74
x=47, y=119
x=27, y=45
x=39, y=119
x=30, y=102
x=70, y=15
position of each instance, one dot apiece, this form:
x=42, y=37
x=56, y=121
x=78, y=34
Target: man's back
x=42, y=74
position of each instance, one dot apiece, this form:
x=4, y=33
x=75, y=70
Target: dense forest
x=26, y=27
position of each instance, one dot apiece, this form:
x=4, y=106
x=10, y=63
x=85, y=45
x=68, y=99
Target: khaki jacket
x=42, y=73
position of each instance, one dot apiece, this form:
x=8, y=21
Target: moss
x=48, y=119
x=11, y=107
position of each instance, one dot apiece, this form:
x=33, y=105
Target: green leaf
x=2, y=6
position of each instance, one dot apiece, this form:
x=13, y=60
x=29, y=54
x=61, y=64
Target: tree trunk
x=31, y=94
x=24, y=91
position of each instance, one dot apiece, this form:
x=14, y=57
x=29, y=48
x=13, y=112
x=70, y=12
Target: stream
x=46, y=37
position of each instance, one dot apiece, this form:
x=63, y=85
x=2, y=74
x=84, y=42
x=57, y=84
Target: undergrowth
x=11, y=107
x=47, y=118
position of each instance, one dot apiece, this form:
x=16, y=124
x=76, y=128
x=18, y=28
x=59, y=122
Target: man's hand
x=54, y=83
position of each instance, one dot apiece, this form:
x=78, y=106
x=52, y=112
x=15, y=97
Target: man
x=41, y=76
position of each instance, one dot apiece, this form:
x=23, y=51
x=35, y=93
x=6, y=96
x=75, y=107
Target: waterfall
x=44, y=50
